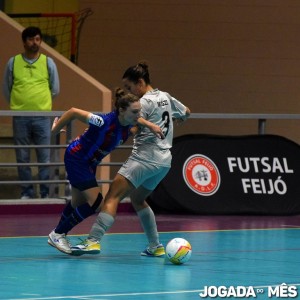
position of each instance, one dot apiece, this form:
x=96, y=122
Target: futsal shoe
x=155, y=251
x=60, y=242
x=86, y=247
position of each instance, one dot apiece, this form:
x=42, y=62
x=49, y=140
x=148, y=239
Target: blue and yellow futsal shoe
x=86, y=247
x=155, y=251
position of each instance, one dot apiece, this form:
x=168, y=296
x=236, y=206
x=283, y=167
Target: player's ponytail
x=119, y=93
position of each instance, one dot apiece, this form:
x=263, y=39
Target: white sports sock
x=147, y=219
x=103, y=222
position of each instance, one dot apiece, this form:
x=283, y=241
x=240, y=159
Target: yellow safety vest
x=30, y=89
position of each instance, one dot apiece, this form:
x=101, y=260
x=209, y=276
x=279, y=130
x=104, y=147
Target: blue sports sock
x=65, y=213
x=78, y=215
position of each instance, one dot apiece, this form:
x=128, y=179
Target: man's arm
x=8, y=79
x=53, y=77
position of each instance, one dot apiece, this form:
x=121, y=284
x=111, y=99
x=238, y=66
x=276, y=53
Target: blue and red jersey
x=97, y=142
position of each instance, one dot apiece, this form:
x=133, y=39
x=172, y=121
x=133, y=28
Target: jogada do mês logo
x=201, y=175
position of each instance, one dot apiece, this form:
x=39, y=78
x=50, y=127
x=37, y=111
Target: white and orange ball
x=178, y=251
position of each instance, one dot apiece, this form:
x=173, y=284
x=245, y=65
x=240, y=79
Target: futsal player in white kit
x=147, y=165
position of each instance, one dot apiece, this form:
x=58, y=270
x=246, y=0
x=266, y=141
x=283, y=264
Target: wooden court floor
x=249, y=251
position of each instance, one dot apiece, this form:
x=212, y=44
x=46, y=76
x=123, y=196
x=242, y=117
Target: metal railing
x=56, y=147
x=261, y=118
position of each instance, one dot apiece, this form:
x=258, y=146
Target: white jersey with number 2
x=159, y=108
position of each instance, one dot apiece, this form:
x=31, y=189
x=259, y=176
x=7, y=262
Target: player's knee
x=139, y=205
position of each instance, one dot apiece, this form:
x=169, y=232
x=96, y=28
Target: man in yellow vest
x=31, y=81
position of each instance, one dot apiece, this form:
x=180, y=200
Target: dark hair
x=137, y=72
x=123, y=99
x=30, y=32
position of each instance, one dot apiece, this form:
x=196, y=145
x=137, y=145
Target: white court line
x=292, y=226
x=137, y=294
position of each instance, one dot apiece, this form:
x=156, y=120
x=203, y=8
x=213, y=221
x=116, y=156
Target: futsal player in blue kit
x=82, y=156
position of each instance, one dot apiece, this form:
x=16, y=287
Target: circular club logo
x=201, y=175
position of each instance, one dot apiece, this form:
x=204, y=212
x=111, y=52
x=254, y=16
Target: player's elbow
x=187, y=112
x=73, y=113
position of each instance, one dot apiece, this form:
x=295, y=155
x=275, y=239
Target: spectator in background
x=30, y=83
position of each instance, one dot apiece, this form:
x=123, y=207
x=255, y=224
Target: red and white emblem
x=201, y=175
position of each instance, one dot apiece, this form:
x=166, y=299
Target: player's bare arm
x=70, y=115
x=153, y=127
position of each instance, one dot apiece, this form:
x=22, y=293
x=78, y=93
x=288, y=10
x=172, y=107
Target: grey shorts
x=143, y=174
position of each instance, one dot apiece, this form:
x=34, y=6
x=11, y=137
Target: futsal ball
x=178, y=251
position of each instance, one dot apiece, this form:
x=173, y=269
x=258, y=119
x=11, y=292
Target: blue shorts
x=81, y=173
